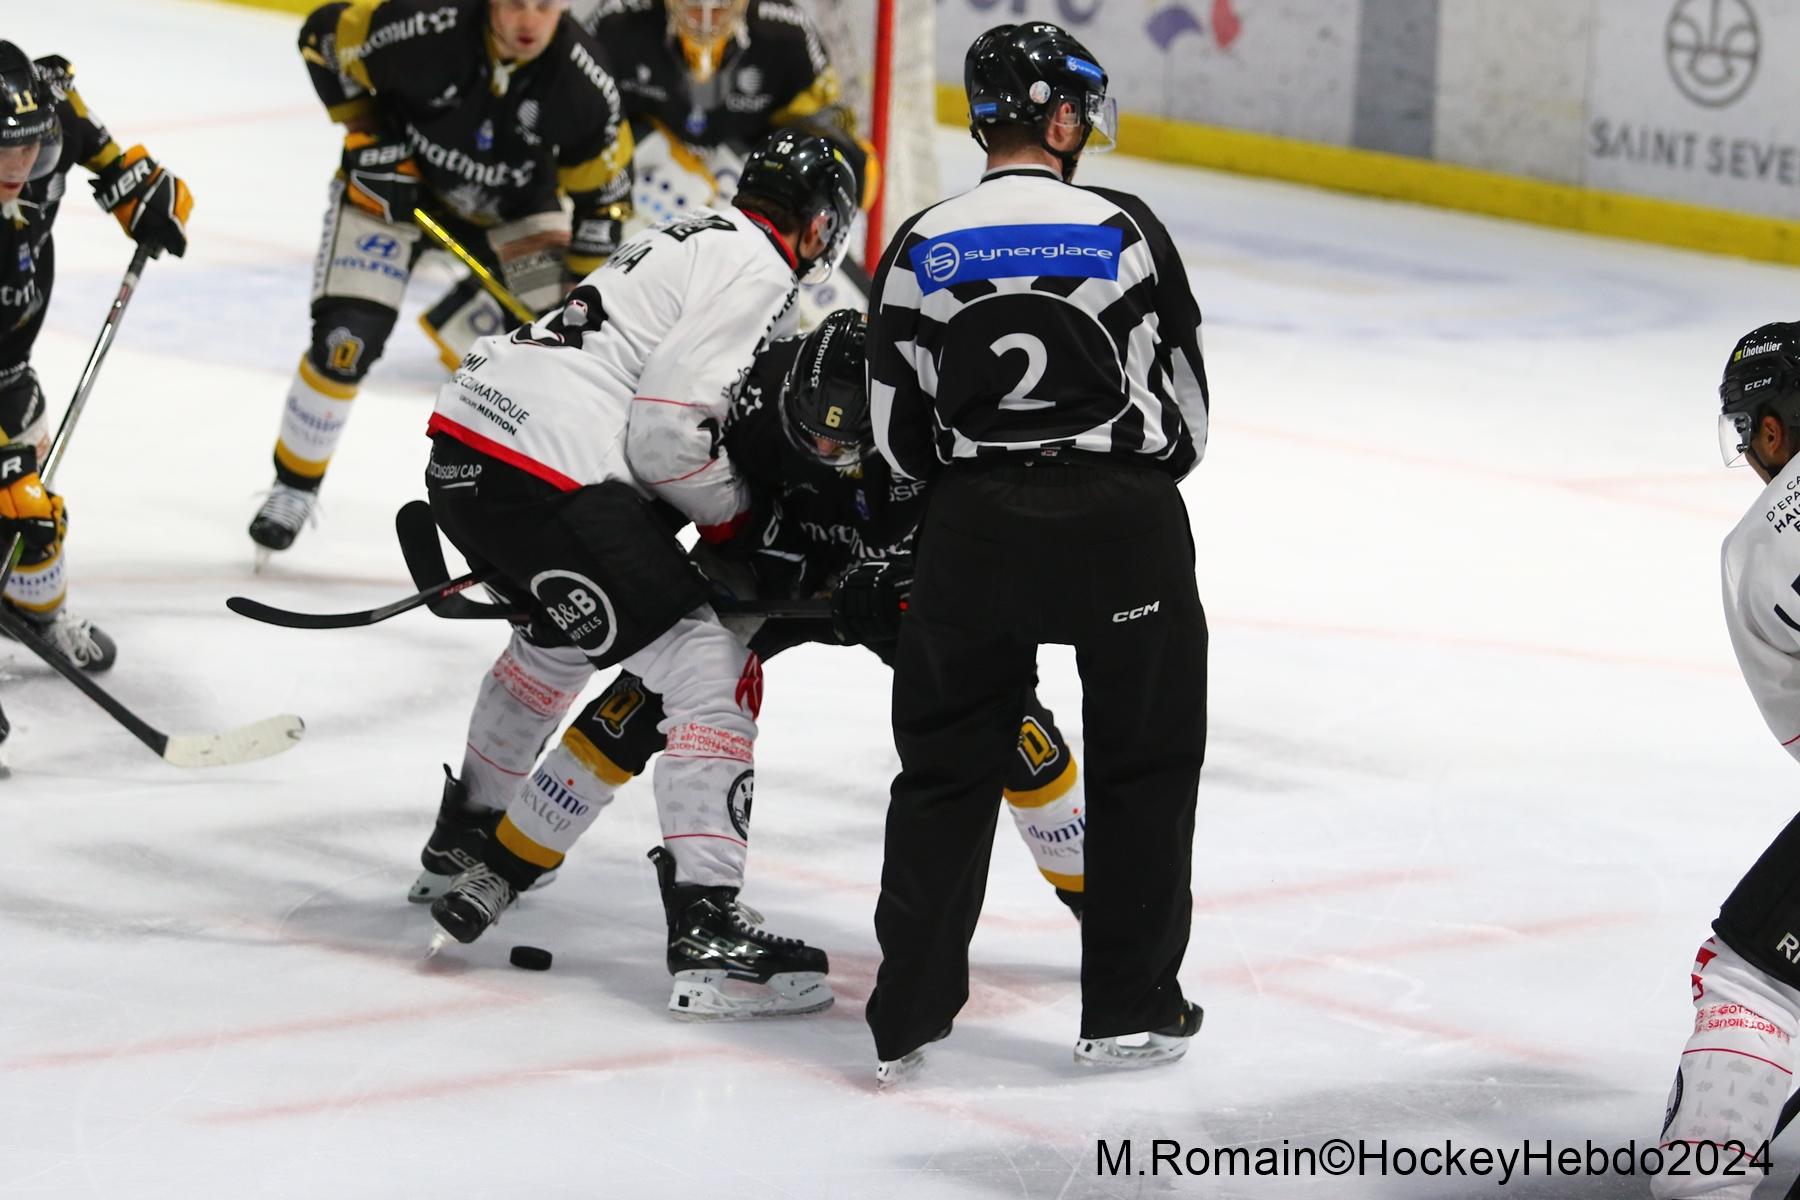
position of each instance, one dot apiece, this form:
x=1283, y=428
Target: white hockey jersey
x=630, y=379
x=1761, y=568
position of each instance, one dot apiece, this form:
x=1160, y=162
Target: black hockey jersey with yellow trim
x=831, y=516
x=493, y=140
x=27, y=252
x=774, y=72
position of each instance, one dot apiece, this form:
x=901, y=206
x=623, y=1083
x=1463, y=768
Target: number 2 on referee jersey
x=1037, y=360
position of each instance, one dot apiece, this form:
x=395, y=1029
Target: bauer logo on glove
x=151, y=204
x=28, y=511
x=381, y=177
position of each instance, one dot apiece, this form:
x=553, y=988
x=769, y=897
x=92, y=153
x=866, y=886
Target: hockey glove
x=870, y=600
x=27, y=510
x=594, y=238
x=380, y=177
x=151, y=203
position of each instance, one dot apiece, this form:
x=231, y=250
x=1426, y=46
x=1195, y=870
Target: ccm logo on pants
x=1132, y=614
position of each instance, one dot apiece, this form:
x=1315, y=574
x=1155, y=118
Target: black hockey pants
x=1098, y=555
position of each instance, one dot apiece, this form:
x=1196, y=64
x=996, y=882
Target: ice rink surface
x=1481, y=767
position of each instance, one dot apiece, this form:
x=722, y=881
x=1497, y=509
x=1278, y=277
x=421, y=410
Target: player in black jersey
x=1034, y=352
x=798, y=433
x=487, y=114
x=704, y=80
x=45, y=130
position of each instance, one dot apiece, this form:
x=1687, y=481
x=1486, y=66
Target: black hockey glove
x=152, y=204
x=870, y=600
x=594, y=237
x=380, y=176
x=769, y=552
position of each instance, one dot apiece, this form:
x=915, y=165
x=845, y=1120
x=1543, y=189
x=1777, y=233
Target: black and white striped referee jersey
x=1028, y=314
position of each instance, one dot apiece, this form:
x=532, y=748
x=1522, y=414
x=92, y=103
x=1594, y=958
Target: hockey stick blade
x=245, y=744
x=424, y=554
x=268, y=614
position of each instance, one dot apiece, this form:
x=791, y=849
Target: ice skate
x=1158, y=1046
x=889, y=1071
x=456, y=843
x=475, y=900
x=278, y=522
x=726, y=966
x=75, y=638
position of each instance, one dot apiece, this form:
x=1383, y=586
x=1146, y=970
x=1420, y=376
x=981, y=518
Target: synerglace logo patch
x=1014, y=251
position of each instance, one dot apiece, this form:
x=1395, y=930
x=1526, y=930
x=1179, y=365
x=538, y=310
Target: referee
x=1034, y=351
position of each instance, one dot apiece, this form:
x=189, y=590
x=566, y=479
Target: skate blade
x=263, y=554
x=890, y=1071
x=439, y=939
x=1108, y=1052
x=715, y=996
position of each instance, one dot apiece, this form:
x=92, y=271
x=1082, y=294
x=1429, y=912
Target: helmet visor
x=1103, y=118
x=836, y=233
x=1734, y=437
x=29, y=159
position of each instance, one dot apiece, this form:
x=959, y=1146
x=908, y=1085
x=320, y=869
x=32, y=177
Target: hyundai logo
x=380, y=245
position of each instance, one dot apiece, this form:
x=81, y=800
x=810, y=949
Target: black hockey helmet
x=1022, y=74
x=28, y=121
x=805, y=176
x=1762, y=378
x=825, y=394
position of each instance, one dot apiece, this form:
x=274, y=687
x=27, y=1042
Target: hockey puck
x=530, y=958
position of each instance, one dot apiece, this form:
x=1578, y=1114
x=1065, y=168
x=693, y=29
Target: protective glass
x=1734, y=437
x=34, y=158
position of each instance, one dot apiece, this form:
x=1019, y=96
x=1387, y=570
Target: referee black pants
x=1096, y=555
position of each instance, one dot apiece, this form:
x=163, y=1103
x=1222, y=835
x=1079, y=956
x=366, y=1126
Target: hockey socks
x=555, y=808
x=312, y=421
x=1052, y=821
x=522, y=701
x=1733, y=1078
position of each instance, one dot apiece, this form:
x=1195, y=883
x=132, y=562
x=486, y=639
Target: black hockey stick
x=268, y=614
x=424, y=554
x=247, y=743
x=60, y=443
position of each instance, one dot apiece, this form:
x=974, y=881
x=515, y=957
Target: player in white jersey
x=1737, y=1067
x=565, y=456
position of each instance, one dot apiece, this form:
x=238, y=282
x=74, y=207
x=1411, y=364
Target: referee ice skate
x=1034, y=349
